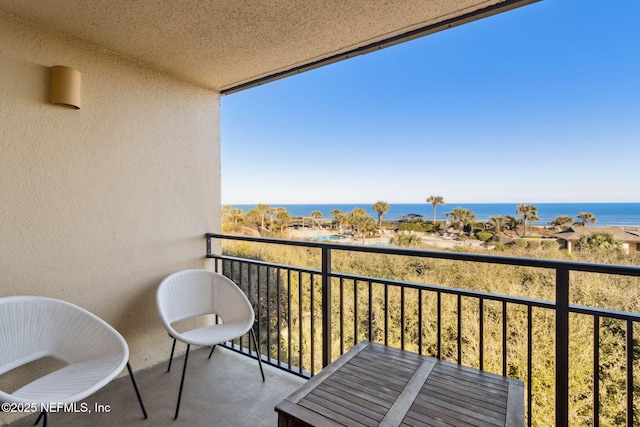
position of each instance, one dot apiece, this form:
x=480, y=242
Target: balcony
x=400, y=313
x=308, y=316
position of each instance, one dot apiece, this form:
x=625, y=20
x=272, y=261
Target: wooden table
x=376, y=385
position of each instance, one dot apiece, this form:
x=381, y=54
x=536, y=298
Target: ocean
x=621, y=214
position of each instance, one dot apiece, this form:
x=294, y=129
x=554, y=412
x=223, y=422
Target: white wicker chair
x=35, y=327
x=192, y=293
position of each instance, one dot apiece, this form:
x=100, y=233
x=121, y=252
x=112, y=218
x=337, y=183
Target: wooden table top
x=376, y=385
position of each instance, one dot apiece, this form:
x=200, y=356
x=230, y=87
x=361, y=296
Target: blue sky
x=539, y=104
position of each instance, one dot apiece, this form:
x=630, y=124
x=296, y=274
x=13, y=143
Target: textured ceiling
x=223, y=44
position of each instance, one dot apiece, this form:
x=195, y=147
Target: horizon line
x=417, y=203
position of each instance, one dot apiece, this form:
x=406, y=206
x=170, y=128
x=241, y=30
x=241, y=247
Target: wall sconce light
x=65, y=86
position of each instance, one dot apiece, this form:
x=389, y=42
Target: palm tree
x=382, y=208
x=511, y=222
x=435, y=201
x=340, y=217
x=262, y=210
x=587, y=217
x=533, y=218
x=528, y=213
x=406, y=240
x=467, y=217
x=452, y=217
x=236, y=215
x=562, y=221
x=361, y=222
x=283, y=217
x=498, y=222
x=599, y=240
x=225, y=212
x=463, y=216
x=449, y=218
x=253, y=218
x=315, y=215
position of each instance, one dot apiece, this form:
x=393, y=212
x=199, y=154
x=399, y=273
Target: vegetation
x=419, y=225
x=435, y=201
x=280, y=220
x=267, y=220
x=599, y=241
x=361, y=223
x=498, y=223
x=406, y=240
x=315, y=214
x=462, y=217
x=550, y=244
x=340, y=218
x=381, y=208
x=586, y=218
x=529, y=214
x=484, y=235
x=562, y=222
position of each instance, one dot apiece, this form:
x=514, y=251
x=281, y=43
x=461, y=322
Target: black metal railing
x=292, y=301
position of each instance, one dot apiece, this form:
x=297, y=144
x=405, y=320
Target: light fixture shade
x=65, y=86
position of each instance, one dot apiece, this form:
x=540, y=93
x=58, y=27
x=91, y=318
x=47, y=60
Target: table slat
x=377, y=385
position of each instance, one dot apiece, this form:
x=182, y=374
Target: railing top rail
x=456, y=256
x=592, y=311
x=402, y=284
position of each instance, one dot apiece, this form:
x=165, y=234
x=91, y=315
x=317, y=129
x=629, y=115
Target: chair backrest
x=33, y=327
x=191, y=293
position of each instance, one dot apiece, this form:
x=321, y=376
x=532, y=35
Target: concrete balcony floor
x=226, y=390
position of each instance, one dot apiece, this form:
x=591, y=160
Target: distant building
x=568, y=238
x=310, y=222
x=410, y=217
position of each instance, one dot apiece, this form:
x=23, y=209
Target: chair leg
x=212, y=348
x=171, y=357
x=255, y=344
x=39, y=418
x=135, y=386
x=184, y=370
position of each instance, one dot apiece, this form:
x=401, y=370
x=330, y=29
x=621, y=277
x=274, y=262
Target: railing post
x=562, y=347
x=326, y=306
x=217, y=263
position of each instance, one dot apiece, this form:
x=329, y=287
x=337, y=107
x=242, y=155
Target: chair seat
x=72, y=383
x=214, y=334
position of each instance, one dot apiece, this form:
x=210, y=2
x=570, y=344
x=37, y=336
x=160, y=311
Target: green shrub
x=426, y=227
x=533, y=244
x=499, y=246
x=406, y=240
x=413, y=227
x=484, y=235
x=550, y=244
x=521, y=243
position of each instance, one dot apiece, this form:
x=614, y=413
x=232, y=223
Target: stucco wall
x=99, y=204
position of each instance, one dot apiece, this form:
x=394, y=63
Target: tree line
x=360, y=224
